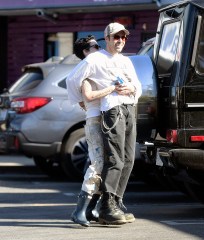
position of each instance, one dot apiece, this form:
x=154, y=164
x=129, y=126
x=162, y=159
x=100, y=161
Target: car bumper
x=16, y=142
x=190, y=158
x=7, y=143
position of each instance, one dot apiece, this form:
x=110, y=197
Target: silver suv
x=37, y=119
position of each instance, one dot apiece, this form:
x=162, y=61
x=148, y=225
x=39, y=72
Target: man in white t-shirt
x=86, y=210
x=110, y=68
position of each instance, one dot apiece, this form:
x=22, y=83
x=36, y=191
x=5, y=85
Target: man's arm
x=91, y=95
x=126, y=89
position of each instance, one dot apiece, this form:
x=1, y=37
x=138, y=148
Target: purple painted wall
x=29, y=4
x=26, y=34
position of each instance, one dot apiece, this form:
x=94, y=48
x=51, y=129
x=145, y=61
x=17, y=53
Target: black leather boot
x=79, y=214
x=109, y=213
x=128, y=216
x=92, y=213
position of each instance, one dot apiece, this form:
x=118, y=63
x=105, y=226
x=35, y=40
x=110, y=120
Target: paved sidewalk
x=33, y=207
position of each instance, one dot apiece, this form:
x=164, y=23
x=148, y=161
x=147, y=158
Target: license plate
x=3, y=114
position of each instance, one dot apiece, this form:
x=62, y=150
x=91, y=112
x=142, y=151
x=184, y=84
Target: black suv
x=176, y=142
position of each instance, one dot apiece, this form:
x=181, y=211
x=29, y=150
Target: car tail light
x=171, y=136
x=29, y=104
x=16, y=143
x=197, y=138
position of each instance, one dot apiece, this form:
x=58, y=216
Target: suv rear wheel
x=75, y=159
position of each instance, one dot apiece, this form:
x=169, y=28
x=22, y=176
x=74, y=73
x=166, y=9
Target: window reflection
x=168, y=47
x=200, y=52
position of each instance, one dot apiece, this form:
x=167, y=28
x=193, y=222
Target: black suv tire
x=75, y=159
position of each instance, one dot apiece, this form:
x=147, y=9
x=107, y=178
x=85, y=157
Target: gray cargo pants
x=92, y=178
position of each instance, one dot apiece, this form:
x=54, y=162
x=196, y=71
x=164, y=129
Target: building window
x=58, y=44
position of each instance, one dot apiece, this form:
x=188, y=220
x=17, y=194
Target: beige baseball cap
x=114, y=28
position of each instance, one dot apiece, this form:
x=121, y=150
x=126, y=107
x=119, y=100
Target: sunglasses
x=96, y=46
x=117, y=37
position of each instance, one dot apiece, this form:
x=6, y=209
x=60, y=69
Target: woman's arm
x=91, y=95
x=82, y=105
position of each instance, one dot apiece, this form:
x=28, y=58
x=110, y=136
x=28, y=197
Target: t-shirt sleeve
x=74, y=81
x=134, y=79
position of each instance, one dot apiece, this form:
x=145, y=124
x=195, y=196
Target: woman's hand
x=82, y=105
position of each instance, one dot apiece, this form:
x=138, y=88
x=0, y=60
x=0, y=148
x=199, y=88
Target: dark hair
x=82, y=44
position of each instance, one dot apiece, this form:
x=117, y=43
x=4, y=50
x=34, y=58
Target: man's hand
x=126, y=89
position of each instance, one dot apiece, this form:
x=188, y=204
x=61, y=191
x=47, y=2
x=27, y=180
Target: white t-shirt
x=92, y=107
x=104, y=68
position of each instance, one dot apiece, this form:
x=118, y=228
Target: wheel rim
x=79, y=155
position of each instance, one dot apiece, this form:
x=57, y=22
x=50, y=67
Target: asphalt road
x=34, y=207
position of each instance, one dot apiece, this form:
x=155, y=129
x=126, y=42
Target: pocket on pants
x=95, y=145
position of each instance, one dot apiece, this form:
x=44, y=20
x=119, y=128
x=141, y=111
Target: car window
x=62, y=83
x=168, y=48
x=200, y=52
x=29, y=80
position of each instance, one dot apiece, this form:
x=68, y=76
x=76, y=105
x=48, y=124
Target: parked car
x=177, y=144
x=37, y=119
x=147, y=47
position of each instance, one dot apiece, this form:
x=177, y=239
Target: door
x=194, y=89
x=167, y=66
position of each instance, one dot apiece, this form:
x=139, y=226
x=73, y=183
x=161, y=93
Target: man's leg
x=130, y=144
x=130, y=141
x=114, y=149
x=113, y=138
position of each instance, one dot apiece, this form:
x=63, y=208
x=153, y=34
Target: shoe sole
x=116, y=222
x=78, y=222
x=130, y=220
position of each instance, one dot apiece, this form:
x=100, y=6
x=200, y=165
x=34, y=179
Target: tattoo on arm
x=95, y=94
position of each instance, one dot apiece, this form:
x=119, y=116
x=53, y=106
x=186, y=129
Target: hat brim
x=124, y=30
